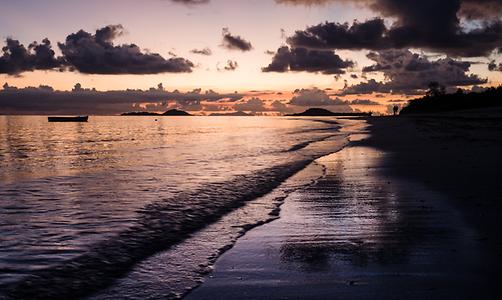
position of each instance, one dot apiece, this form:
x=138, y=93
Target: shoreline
x=265, y=209
x=138, y=284
x=448, y=255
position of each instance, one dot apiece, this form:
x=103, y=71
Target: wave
x=303, y=145
x=159, y=226
x=173, y=273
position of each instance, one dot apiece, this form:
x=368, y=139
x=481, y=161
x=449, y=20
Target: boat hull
x=69, y=119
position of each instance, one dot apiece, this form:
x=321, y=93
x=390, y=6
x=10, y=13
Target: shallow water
x=82, y=203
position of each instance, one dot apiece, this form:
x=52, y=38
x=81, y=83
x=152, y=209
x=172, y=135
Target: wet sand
x=394, y=217
x=458, y=155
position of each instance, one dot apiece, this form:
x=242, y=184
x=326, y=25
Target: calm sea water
x=83, y=203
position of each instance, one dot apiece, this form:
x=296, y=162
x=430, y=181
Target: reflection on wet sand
x=356, y=233
x=356, y=215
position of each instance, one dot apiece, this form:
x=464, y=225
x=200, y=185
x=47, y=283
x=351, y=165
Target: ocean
x=142, y=206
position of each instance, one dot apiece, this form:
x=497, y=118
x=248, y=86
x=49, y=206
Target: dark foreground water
x=83, y=204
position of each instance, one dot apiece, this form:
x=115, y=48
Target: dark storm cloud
x=45, y=100
x=302, y=59
x=206, y=51
x=16, y=58
x=492, y=66
x=235, y=42
x=367, y=35
x=481, y=9
x=428, y=24
x=409, y=73
x=469, y=9
x=95, y=54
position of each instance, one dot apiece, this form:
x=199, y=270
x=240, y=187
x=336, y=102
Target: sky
x=260, y=56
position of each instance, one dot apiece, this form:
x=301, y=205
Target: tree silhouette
x=437, y=100
x=436, y=89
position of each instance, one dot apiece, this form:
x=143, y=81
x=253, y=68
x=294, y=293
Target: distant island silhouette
x=172, y=112
x=234, y=114
x=176, y=112
x=321, y=112
x=438, y=101
x=140, y=113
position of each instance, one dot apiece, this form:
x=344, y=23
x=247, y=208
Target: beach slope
x=408, y=213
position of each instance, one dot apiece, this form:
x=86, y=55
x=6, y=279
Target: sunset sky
x=263, y=56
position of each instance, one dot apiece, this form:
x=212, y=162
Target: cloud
x=468, y=9
x=367, y=35
x=206, y=51
x=428, y=24
x=492, y=66
x=302, y=98
x=481, y=9
x=88, y=53
x=235, y=42
x=281, y=107
x=478, y=89
x=230, y=66
x=212, y=107
x=46, y=100
x=316, y=97
x=254, y=104
x=409, y=73
x=311, y=97
x=302, y=59
x=16, y=58
x=95, y=54
x=363, y=102
x=368, y=87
